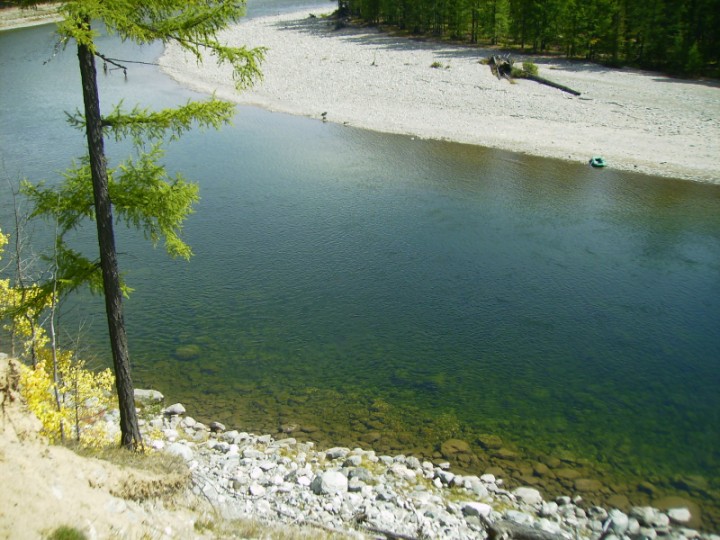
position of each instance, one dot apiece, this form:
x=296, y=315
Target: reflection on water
x=360, y=288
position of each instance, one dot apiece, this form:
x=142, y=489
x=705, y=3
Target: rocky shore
x=358, y=492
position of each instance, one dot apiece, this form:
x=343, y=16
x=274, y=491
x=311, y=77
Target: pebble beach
x=358, y=76
x=360, y=492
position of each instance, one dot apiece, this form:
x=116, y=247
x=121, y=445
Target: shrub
x=71, y=400
x=530, y=68
x=67, y=533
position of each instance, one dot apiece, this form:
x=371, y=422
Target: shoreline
x=639, y=121
x=281, y=481
x=12, y=18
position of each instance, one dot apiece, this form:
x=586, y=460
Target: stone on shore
x=329, y=482
x=148, y=396
x=175, y=409
x=528, y=495
x=181, y=450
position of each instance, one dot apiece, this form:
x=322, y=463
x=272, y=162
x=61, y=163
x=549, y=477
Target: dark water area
x=360, y=288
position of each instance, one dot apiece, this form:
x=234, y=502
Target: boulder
x=620, y=521
x=187, y=352
x=181, y=450
x=476, y=509
x=329, y=482
x=490, y=442
x=679, y=503
x=453, y=447
x=528, y=495
x=174, y=410
x=148, y=396
x=217, y=427
x=680, y=516
x=587, y=485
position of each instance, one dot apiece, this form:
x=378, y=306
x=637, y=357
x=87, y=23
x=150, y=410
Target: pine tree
x=140, y=190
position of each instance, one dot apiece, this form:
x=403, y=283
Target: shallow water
x=356, y=288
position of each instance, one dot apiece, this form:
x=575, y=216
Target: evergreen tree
x=140, y=190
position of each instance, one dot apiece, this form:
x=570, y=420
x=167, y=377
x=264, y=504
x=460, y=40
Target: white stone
x=476, y=509
x=181, y=450
x=175, y=409
x=488, y=478
x=329, y=482
x=256, y=490
x=620, y=521
x=549, y=509
x=516, y=516
x=157, y=444
x=148, y=396
x=548, y=526
x=679, y=515
x=528, y=495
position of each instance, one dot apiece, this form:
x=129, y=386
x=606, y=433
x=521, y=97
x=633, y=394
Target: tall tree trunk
x=130, y=433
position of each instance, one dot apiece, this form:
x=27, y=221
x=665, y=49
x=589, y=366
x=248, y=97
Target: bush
x=67, y=533
x=530, y=68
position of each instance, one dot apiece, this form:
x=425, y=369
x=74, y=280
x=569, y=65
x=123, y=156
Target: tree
x=140, y=190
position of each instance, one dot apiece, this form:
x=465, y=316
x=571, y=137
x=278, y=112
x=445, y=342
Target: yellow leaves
x=72, y=404
x=69, y=399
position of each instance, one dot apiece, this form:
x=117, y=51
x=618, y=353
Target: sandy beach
x=15, y=17
x=639, y=121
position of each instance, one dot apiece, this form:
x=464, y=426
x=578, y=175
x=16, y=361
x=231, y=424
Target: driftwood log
x=548, y=82
x=502, y=68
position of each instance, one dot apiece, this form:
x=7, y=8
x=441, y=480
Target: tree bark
x=130, y=432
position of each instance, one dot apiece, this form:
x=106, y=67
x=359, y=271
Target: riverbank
x=268, y=483
x=639, y=121
x=15, y=17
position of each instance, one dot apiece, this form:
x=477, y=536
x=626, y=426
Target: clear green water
x=366, y=288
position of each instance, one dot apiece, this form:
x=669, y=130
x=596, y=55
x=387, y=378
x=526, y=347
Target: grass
x=65, y=532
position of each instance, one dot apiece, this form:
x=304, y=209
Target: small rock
x=619, y=522
x=148, y=396
x=490, y=442
x=256, y=490
x=521, y=518
x=681, y=516
x=528, y=495
x=217, y=427
x=476, y=509
x=549, y=509
x=337, y=452
x=585, y=485
x=174, y=410
x=452, y=447
x=329, y=482
x=181, y=450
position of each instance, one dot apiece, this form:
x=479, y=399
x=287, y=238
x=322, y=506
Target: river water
x=362, y=288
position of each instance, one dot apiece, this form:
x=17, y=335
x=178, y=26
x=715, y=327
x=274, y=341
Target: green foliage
x=144, y=195
x=66, y=532
x=530, y=68
x=193, y=24
x=139, y=191
x=657, y=34
x=436, y=65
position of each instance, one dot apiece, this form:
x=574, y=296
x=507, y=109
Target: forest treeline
x=676, y=36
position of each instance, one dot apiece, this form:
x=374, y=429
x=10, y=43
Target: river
x=363, y=288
